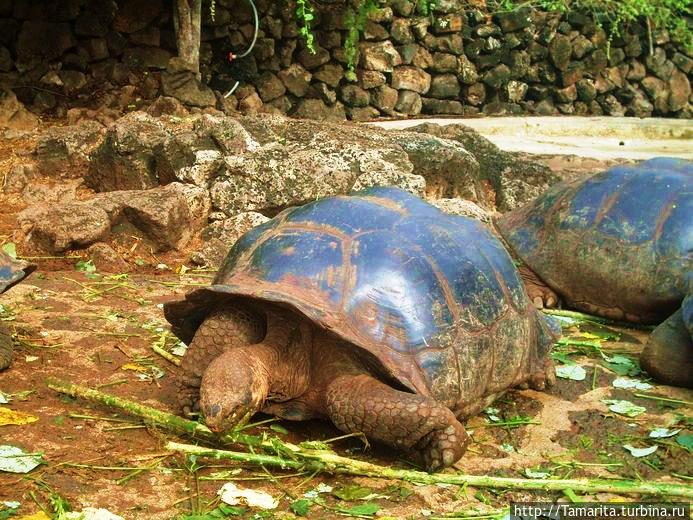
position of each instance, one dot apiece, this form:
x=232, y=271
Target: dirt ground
x=98, y=329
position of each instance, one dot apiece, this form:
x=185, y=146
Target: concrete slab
x=596, y=137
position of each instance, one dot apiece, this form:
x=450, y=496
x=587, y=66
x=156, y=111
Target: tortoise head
x=234, y=387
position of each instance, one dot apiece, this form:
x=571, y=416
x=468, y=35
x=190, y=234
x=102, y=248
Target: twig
x=290, y=456
x=665, y=399
x=166, y=355
x=332, y=463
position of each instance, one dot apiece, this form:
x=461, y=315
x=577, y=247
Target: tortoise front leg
x=225, y=328
x=668, y=354
x=418, y=424
x=540, y=294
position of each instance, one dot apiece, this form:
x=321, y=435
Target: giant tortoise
x=375, y=310
x=618, y=244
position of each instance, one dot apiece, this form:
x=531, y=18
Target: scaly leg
x=430, y=431
x=668, y=354
x=539, y=293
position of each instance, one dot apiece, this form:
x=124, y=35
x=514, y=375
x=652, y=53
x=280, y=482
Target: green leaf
x=574, y=372
x=623, y=365
x=15, y=460
x=368, y=508
x=278, y=428
x=86, y=267
x=399, y=492
x=301, y=507
x=624, y=407
x=353, y=492
x=10, y=249
x=685, y=440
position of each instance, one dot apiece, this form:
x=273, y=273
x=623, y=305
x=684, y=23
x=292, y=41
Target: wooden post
x=187, y=21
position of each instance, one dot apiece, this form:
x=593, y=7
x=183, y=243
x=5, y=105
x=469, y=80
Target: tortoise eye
x=214, y=410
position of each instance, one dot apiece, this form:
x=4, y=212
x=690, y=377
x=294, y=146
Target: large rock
x=299, y=161
x=184, y=86
x=125, y=158
x=13, y=114
x=165, y=217
x=220, y=236
x=411, y=78
x=296, y=79
x=381, y=56
x=66, y=149
x=42, y=41
x=510, y=181
x=133, y=15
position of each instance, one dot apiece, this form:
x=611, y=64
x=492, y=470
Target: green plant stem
x=290, y=456
x=325, y=461
x=581, y=316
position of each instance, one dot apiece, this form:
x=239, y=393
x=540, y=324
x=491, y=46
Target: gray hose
x=252, y=44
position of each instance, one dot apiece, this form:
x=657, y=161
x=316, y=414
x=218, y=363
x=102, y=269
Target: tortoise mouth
x=232, y=423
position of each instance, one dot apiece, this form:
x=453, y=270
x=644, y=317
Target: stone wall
x=458, y=62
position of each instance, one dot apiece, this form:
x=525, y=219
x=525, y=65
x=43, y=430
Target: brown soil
x=81, y=329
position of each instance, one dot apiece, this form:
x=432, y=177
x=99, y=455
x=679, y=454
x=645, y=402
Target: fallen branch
x=289, y=456
x=324, y=461
x=581, y=316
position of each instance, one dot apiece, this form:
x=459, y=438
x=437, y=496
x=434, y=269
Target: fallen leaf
x=4, y=399
x=301, y=507
x=624, y=407
x=574, y=372
x=15, y=460
x=685, y=440
x=640, y=452
x=362, y=509
x=537, y=474
x=627, y=383
x=91, y=513
x=233, y=495
x=8, y=416
x=10, y=249
x=36, y=516
x=663, y=433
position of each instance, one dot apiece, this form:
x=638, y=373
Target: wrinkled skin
x=298, y=372
x=595, y=245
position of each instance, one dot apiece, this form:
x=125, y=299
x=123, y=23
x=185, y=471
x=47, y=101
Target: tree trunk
x=187, y=20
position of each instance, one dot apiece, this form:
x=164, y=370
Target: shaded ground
x=98, y=330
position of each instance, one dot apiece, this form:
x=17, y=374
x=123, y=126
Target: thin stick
x=665, y=399
x=332, y=463
x=166, y=355
x=290, y=456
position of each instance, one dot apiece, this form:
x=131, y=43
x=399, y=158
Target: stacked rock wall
x=457, y=62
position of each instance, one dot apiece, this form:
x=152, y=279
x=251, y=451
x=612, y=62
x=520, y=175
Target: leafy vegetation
x=614, y=15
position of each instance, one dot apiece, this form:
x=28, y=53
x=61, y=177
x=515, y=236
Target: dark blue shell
x=436, y=298
x=12, y=271
x=621, y=239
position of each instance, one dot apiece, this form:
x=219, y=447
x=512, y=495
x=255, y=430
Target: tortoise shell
x=619, y=243
x=435, y=298
x=13, y=271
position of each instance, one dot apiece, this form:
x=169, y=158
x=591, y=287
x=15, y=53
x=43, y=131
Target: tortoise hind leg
x=5, y=347
x=540, y=294
x=225, y=328
x=668, y=354
x=430, y=431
